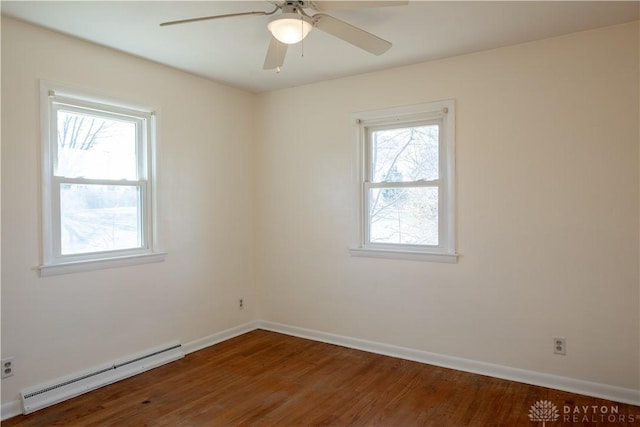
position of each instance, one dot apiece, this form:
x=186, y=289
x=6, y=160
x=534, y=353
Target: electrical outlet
x=559, y=345
x=241, y=303
x=7, y=367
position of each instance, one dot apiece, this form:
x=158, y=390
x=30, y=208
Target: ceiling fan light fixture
x=290, y=28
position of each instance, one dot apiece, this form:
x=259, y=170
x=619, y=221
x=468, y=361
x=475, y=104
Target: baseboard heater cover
x=40, y=397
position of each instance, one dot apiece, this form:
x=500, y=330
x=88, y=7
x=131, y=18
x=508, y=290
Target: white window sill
x=403, y=254
x=100, y=264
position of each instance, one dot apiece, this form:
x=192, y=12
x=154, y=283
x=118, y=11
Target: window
x=98, y=207
x=406, y=182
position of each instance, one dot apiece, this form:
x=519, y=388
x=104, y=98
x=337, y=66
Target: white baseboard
x=218, y=337
x=604, y=391
x=10, y=409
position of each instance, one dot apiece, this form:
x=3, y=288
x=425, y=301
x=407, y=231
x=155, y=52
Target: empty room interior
x=427, y=197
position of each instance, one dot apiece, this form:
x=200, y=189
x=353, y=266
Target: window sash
x=143, y=219
x=381, y=126
x=367, y=187
x=141, y=121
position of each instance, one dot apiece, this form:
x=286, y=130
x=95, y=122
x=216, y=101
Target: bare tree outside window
x=78, y=132
x=400, y=212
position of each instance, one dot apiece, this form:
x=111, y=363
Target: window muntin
x=406, y=180
x=97, y=195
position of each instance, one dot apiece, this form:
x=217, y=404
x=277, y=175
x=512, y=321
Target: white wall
x=59, y=325
x=547, y=210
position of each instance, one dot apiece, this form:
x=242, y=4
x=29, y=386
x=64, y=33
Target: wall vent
x=36, y=398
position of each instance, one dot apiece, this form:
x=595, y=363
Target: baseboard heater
x=66, y=388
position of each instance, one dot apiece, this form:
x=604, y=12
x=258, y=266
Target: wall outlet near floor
x=7, y=367
x=241, y=303
x=559, y=345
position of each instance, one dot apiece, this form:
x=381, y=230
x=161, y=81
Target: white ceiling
x=232, y=50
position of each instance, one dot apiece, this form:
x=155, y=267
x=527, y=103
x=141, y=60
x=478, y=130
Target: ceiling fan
x=293, y=24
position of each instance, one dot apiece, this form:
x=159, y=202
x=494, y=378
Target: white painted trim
x=219, y=337
x=604, y=391
x=99, y=264
x=146, y=119
x=403, y=254
x=443, y=112
x=10, y=410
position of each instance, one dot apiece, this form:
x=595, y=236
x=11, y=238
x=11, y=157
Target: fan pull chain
x=302, y=34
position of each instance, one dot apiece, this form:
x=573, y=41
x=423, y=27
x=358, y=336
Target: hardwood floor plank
x=267, y=379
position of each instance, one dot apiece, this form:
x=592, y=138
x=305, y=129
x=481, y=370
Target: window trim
x=52, y=261
x=442, y=112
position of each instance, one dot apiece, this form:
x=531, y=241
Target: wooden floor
x=268, y=379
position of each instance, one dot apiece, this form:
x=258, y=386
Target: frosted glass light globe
x=289, y=28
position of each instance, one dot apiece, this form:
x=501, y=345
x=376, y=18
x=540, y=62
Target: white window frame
x=442, y=113
x=52, y=98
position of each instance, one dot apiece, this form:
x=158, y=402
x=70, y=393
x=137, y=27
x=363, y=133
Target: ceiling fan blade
x=206, y=18
x=351, y=34
x=322, y=6
x=275, y=54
